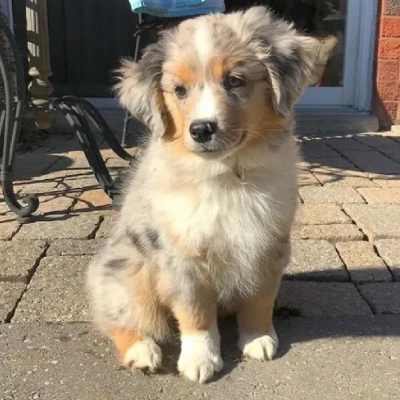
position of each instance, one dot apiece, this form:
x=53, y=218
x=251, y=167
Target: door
x=88, y=38
x=346, y=29
x=341, y=21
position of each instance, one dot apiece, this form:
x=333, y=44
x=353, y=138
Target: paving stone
x=10, y=293
x=91, y=199
x=330, y=195
x=353, y=179
x=373, y=162
x=3, y=205
x=334, y=165
x=56, y=292
x=60, y=203
x=73, y=226
x=18, y=259
x=317, y=214
x=346, y=143
x=306, y=178
x=386, y=181
x=107, y=226
x=376, y=141
x=380, y=221
x=71, y=154
x=25, y=171
x=117, y=162
x=108, y=153
x=66, y=161
x=319, y=359
x=317, y=299
x=85, y=182
x=315, y=260
x=332, y=233
x=318, y=151
x=363, y=263
x=384, y=298
x=380, y=196
x=7, y=217
x=389, y=250
x=8, y=229
x=38, y=187
x=66, y=174
x=392, y=152
x=74, y=247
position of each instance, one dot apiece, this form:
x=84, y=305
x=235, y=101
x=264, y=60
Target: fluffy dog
x=205, y=224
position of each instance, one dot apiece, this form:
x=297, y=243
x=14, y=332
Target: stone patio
x=345, y=267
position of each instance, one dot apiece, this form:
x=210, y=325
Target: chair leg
x=77, y=118
x=10, y=126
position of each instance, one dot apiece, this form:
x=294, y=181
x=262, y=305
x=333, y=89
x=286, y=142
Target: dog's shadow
x=291, y=330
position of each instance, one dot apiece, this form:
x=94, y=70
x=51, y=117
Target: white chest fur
x=233, y=219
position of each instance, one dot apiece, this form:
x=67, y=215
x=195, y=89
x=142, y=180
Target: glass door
x=341, y=27
x=336, y=24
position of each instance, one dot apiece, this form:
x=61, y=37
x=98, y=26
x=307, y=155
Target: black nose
x=202, y=131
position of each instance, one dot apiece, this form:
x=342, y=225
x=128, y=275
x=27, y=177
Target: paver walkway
x=338, y=310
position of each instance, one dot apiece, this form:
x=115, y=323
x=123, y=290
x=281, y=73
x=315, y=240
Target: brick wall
x=387, y=90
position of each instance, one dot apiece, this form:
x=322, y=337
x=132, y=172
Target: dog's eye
x=232, y=82
x=180, y=91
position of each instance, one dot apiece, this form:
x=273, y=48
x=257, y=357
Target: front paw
x=144, y=354
x=200, y=357
x=259, y=347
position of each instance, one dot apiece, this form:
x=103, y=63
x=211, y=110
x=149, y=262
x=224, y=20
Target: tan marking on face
x=261, y=120
x=219, y=66
x=178, y=112
x=184, y=73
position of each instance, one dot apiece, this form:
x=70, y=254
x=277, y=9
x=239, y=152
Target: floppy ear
x=288, y=56
x=139, y=91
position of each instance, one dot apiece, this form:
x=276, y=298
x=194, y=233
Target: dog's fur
x=206, y=226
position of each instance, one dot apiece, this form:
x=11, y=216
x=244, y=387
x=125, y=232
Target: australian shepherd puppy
x=205, y=224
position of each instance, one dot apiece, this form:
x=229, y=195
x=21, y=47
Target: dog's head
x=218, y=82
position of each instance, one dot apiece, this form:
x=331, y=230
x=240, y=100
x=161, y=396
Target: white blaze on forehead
x=203, y=43
x=206, y=107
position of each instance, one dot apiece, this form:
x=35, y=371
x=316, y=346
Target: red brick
x=388, y=70
x=389, y=48
x=389, y=90
x=391, y=26
x=392, y=108
x=391, y=7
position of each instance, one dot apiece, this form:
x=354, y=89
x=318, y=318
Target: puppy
x=205, y=224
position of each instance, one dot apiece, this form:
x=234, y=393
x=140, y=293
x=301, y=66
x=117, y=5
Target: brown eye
x=232, y=82
x=180, y=91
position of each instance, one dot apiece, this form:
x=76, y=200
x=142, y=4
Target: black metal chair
x=80, y=114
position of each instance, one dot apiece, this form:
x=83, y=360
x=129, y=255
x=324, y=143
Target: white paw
x=200, y=356
x=259, y=347
x=143, y=354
